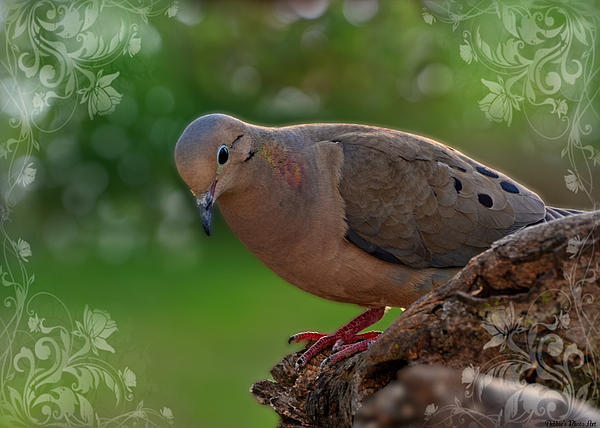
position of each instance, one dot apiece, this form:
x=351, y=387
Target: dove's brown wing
x=412, y=200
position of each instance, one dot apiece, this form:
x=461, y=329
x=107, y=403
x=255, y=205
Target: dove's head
x=209, y=155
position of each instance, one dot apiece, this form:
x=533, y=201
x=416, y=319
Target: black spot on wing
x=509, y=187
x=370, y=248
x=485, y=200
x=457, y=184
x=485, y=171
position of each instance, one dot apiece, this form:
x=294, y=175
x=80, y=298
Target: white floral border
x=544, y=63
x=53, y=58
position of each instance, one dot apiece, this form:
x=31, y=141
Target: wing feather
x=424, y=203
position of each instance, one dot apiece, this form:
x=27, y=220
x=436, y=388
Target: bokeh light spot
x=160, y=101
x=435, y=79
x=109, y=141
x=358, y=12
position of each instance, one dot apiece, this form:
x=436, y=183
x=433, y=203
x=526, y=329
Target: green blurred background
x=112, y=226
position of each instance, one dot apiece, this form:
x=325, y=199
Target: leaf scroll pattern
x=53, y=60
x=542, y=62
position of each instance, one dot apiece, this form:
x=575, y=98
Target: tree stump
x=524, y=312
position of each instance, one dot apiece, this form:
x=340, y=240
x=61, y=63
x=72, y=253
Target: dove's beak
x=205, y=204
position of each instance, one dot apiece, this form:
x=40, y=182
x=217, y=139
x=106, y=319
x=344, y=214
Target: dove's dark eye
x=222, y=155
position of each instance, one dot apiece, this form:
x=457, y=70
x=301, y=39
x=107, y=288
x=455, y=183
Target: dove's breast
x=291, y=216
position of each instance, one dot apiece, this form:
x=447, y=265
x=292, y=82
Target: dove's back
x=414, y=201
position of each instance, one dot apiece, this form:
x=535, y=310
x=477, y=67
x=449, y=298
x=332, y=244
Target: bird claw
x=347, y=351
x=337, y=346
x=341, y=348
x=305, y=335
x=346, y=340
x=324, y=363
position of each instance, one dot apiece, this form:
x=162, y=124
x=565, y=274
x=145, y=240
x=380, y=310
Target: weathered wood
x=435, y=396
x=524, y=286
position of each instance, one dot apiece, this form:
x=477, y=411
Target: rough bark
x=524, y=287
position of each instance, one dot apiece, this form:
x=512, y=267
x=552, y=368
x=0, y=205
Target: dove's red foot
x=346, y=351
x=343, y=340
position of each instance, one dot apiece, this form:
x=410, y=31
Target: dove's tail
x=556, y=213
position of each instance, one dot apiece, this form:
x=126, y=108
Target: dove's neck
x=276, y=206
x=289, y=206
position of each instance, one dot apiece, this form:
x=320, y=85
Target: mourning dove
x=351, y=213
